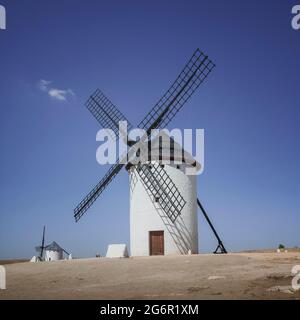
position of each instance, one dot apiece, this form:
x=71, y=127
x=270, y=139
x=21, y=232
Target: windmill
x=55, y=252
x=40, y=249
x=51, y=252
x=156, y=179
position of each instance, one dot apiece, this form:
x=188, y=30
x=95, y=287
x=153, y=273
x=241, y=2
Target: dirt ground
x=205, y=276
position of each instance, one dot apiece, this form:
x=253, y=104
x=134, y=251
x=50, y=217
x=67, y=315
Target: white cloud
x=58, y=94
x=44, y=84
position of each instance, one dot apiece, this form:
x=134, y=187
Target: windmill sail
x=105, y=112
x=193, y=74
x=40, y=249
x=162, y=188
x=92, y=196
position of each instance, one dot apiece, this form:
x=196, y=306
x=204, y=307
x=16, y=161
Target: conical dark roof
x=54, y=247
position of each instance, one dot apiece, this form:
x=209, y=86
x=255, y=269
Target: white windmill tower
x=153, y=230
x=163, y=198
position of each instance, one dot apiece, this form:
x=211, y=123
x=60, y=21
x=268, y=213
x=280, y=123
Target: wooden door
x=156, y=243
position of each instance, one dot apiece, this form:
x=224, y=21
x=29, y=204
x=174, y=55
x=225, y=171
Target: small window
x=178, y=166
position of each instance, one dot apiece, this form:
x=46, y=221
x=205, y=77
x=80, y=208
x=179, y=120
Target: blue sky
x=132, y=50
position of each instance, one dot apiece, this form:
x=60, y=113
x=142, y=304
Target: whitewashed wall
x=146, y=215
x=53, y=255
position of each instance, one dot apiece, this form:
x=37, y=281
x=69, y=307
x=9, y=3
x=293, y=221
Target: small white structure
x=34, y=259
x=2, y=278
x=117, y=251
x=151, y=231
x=54, y=252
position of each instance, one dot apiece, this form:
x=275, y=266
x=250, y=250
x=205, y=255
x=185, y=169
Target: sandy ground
x=3, y=262
x=205, y=276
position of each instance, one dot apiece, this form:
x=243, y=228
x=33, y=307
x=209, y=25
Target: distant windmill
x=176, y=230
x=53, y=251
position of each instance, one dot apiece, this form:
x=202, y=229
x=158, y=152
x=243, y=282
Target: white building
x=54, y=252
x=151, y=231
